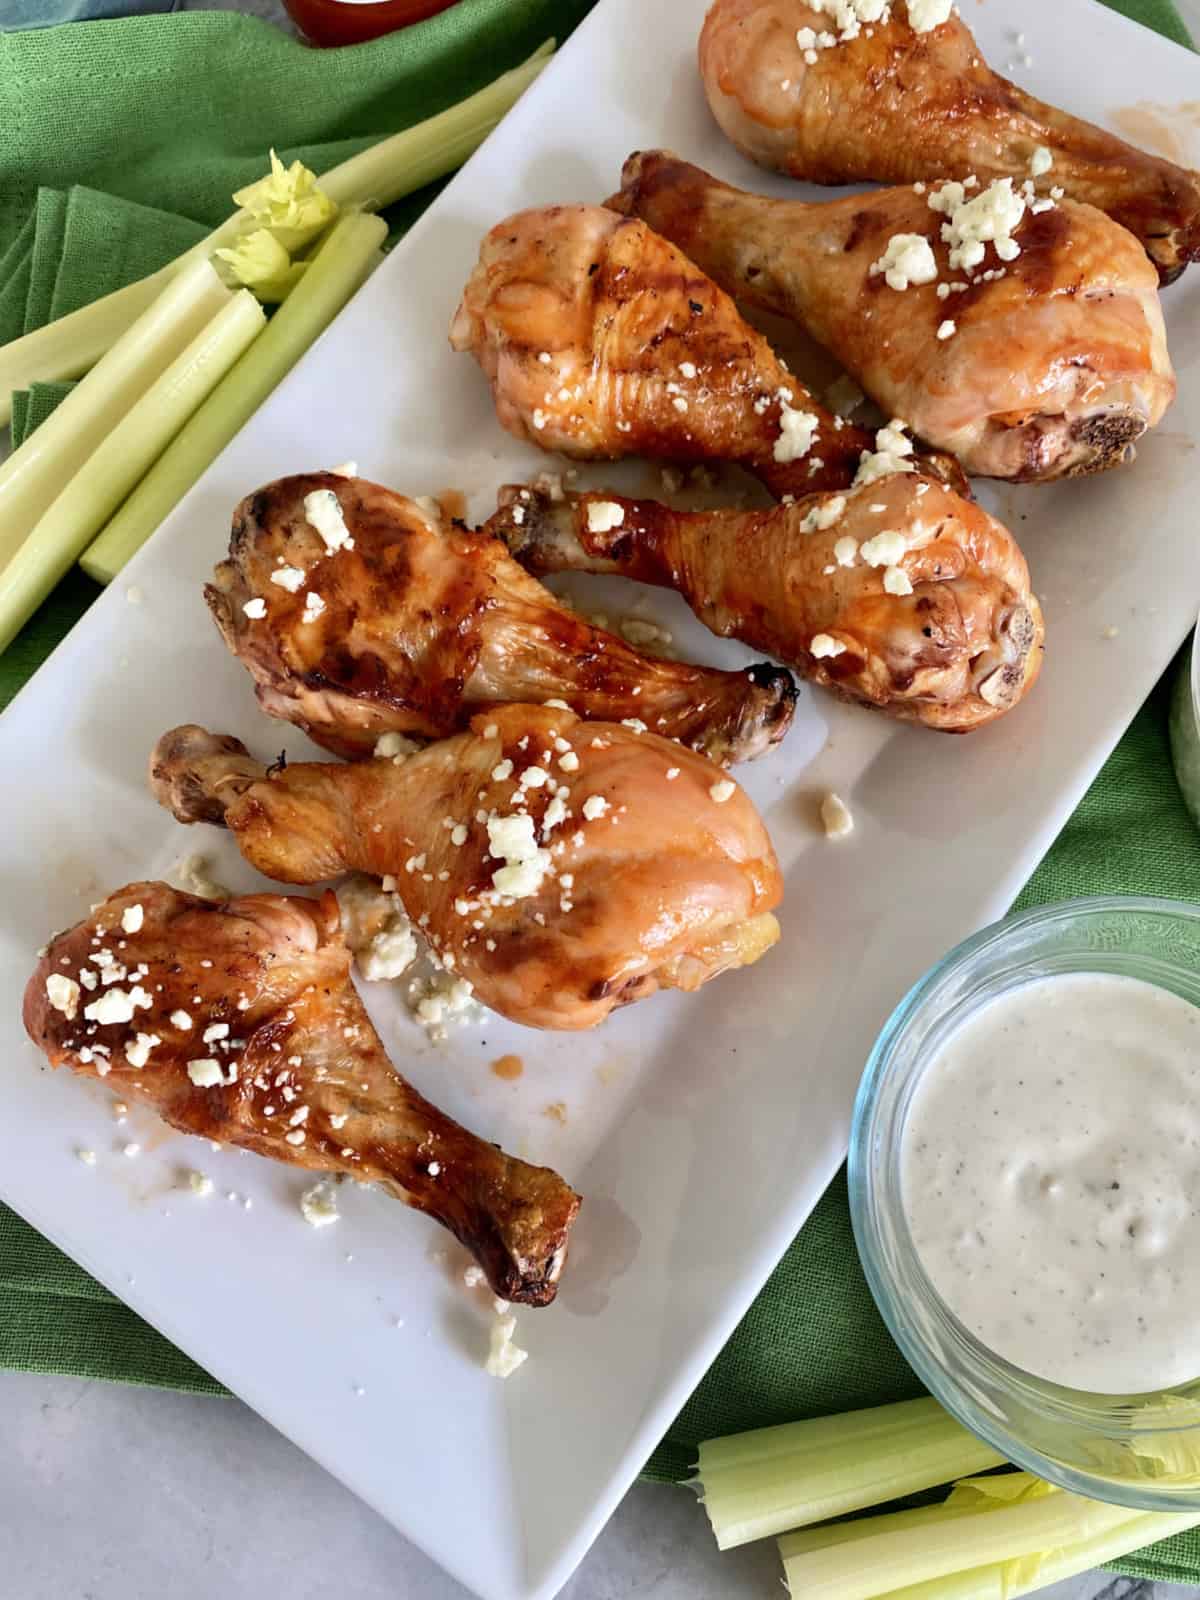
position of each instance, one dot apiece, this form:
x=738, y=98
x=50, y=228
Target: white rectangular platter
x=701, y=1129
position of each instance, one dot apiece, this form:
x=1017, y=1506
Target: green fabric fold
x=179, y=111
x=49, y=226
x=16, y=268
x=76, y=246
x=32, y=406
x=109, y=241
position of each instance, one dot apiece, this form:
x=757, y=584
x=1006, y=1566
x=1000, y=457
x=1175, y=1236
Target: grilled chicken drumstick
x=899, y=595
x=601, y=340
x=894, y=105
x=1043, y=362
x=417, y=623
x=237, y=1020
x=561, y=867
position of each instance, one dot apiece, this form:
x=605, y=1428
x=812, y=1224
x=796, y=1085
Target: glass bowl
x=1185, y=726
x=1134, y=1450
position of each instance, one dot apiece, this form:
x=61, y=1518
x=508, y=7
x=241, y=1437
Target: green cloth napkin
x=75, y=246
x=78, y=244
x=32, y=406
x=178, y=112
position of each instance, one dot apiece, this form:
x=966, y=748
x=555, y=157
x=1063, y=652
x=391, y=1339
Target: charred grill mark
x=257, y=508
x=863, y=225
x=432, y=699
x=665, y=284
x=363, y=675
x=1041, y=239
x=524, y=945
x=390, y=570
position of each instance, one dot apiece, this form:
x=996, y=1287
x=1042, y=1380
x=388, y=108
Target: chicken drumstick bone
x=418, y=623
x=1044, y=362
x=894, y=105
x=602, y=340
x=238, y=1021
x=561, y=867
x=900, y=595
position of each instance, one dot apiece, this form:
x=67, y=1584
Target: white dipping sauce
x=1050, y=1171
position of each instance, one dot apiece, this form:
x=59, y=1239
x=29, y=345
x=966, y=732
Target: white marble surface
x=110, y=1493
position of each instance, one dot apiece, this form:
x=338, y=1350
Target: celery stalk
x=775, y=1479
x=981, y=1544
x=977, y=1583
x=348, y=254
x=826, y=1535
x=33, y=475
x=72, y=345
x=406, y=161
x=106, y=477
x=1148, y=1527
x=391, y=169
x=863, y=1568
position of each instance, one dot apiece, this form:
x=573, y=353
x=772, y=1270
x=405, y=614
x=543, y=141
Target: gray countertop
x=111, y=1493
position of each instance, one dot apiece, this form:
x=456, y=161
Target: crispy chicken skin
x=601, y=340
x=425, y=623
x=644, y=879
x=960, y=649
x=897, y=106
x=304, y=1077
x=1051, y=366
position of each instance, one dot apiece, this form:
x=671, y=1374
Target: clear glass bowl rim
x=1143, y=1494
